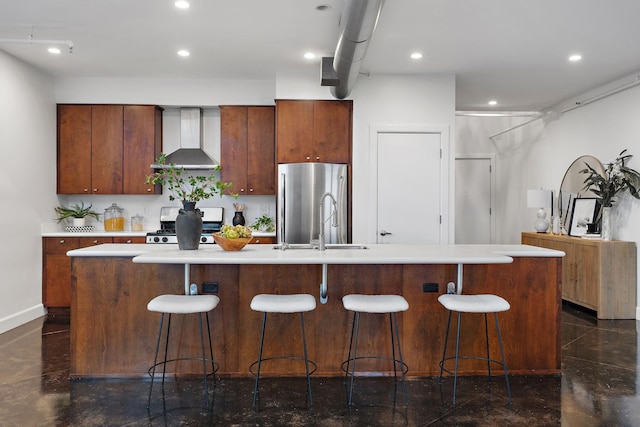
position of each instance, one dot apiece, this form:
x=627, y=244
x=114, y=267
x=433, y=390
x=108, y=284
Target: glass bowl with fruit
x=232, y=237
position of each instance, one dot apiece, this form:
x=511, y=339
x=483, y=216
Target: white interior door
x=410, y=185
x=474, y=199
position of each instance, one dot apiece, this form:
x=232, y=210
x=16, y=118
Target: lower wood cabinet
x=263, y=240
x=56, y=265
x=599, y=275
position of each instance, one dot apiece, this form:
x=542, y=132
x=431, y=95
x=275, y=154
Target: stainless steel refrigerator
x=302, y=188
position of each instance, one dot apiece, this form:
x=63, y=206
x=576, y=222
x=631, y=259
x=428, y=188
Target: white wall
x=27, y=186
x=538, y=155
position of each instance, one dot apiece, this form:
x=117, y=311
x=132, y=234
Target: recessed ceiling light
x=183, y=52
x=182, y=4
x=416, y=55
x=493, y=102
x=310, y=55
x=575, y=57
x=54, y=50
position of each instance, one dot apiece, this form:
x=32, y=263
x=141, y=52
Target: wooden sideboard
x=596, y=274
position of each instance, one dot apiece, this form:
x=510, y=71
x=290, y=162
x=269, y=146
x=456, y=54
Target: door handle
x=384, y=233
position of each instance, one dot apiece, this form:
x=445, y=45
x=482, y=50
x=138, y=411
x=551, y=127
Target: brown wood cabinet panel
x=142, y=145
x=599, y=275
x=313, y=131
x=106, y=149
x=233, y=147
x=294, y=131
x=247, y=149
x=129, y=239
x=74, y=149
x=332, y=131
x=261, y=147
x=56, y=267
x=263, y=241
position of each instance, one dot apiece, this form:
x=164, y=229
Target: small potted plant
x=189, y=189
x=264, y=223
x=78, y=213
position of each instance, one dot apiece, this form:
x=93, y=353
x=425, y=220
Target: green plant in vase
x=189, y=189
x=78, y=213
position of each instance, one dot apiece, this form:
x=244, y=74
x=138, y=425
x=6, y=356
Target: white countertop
x=265, y=254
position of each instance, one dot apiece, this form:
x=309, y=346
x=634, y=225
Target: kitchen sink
x=330, y=246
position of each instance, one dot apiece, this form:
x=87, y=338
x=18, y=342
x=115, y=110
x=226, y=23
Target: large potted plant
x=189, y=189
x=617, y=179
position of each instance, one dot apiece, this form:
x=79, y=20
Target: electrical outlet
x=209, y=287
x=451, y=288
x=429, y=287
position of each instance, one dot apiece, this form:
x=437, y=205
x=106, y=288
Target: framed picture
x=584, y=212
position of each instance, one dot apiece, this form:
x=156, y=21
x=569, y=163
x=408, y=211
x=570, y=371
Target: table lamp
x=540, y=199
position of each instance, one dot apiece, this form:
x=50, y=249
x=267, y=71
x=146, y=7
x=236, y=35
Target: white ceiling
x=514, y=51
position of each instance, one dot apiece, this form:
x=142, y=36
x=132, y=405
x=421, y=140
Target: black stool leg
x=504, y=365
x=455, y=371
x=444, y=350
x=486, y=337
x=213, y=365
x=155, y=359
x=204, y=362
x=255, y=387
x=356, y=323
x=404, y=383
x=306, y=360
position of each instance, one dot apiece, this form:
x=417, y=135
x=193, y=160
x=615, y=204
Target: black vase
x=238, y=219
x=188, y=226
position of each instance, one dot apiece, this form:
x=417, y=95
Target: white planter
x=79, y=222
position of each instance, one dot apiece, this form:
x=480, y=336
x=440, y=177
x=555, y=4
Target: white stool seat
x=183, y=304
x=272, y=303
x=375, y=303
x=481, y=303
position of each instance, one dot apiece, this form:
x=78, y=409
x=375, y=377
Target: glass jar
x=136, y=223
x=114, y=218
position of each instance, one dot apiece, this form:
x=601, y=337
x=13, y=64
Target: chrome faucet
x=334, y=215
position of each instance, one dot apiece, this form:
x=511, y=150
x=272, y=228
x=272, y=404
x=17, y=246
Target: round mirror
x=572, y=186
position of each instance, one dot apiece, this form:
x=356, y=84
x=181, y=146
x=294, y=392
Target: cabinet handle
x=308, y=158
x=95, y=242
x=317, y=157
x=95, y=190
x=242, y=190
x=62, y=241
x=86, y=190
x=258, y=241
x=148, y=190
x=251, y=190
x=129, y=241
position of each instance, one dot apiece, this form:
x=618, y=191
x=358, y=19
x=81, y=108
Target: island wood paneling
x=114, y=335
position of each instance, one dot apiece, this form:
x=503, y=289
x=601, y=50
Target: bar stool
x=272, y=303
x=378, y=304
x=183, y=304
x=485, y=303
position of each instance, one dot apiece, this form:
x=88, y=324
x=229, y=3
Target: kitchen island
x=113, y=334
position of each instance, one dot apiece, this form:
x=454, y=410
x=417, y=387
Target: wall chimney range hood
x=190, y=155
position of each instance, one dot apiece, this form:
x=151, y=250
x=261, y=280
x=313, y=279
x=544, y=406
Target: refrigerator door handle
x=281, y=209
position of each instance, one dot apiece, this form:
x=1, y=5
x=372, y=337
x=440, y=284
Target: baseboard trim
x=20, y=318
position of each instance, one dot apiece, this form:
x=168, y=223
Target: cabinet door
x=294, y=131
x=56, y=271
x=332, y=131
x=587, y=263
x=261, y=167
x=233, y=147
x=74, y=149
x=129, y=239
x=106, y=149
x=142, y=144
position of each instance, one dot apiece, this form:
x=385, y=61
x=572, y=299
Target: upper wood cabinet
x=107, y=149
x=247, y=149
x=313, y=131
x=142, y=144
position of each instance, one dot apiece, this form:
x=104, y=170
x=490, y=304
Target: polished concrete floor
x=598, y=387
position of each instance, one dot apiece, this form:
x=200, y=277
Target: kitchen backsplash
x=149, y=208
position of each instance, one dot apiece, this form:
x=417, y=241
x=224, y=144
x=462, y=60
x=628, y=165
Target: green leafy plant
x=617, y=178
x=264, y=223
x=186, y=187
x=75, y=211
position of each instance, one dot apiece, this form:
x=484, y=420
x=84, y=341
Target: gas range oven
x=212, y=220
